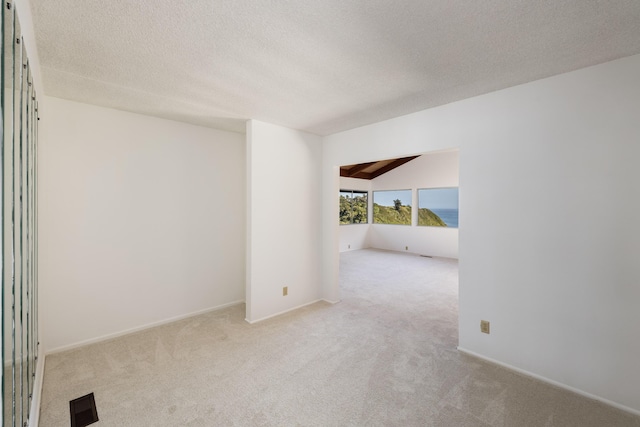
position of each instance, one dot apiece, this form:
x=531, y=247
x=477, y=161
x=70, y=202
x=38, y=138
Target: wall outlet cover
x=485, y=327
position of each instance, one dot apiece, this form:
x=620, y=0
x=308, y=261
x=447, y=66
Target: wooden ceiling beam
x=352, y=171
x=362, y=175
x=358, y=171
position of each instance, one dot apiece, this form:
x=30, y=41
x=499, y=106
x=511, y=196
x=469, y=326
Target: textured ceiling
x=317, y=65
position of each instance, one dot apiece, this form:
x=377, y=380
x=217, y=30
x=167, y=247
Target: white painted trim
x=141, y=328
x=283, y=312
x=329, y=301
x=34, y=413
x=552, y=382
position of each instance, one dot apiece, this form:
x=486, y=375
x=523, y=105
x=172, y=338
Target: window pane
x=353, y=207
x=438, y=207
x=392, y=207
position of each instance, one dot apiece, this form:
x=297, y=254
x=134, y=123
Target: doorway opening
x=398, y=233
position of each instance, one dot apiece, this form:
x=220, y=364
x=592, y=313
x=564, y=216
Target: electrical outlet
x=285, y=291
x=484, y=327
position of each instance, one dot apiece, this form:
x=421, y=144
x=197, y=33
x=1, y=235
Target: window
x=392, y=207
x=438, y=207
x=353, y=207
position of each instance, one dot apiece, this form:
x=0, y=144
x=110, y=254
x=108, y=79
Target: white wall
x=430, y=170
x=549, y=205
x=141, y=220
x=355, y=236
x=284, y=217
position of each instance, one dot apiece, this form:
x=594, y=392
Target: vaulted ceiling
x=319, y=66
x=372, y=170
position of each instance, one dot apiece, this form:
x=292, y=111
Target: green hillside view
x=429, y=218
x=353, y=210
x=397, y=214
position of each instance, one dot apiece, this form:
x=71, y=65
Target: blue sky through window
x=438, y=198
x=386, y=198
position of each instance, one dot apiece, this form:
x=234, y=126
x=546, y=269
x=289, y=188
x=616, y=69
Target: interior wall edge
x=283, y=251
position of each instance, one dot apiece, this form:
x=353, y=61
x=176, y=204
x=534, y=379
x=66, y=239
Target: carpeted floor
x=384, y=356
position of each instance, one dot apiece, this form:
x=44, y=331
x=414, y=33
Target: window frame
x=431, y=209
x=352, y=192
x=373, y=219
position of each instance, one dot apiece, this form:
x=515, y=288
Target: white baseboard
x=34, y=413
x=329, y=301
x=552, y=382
x=282, y=312
x=141, y=328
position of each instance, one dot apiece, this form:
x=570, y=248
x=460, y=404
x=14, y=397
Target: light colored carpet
x=384, y=356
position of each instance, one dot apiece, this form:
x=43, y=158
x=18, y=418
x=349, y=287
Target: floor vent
x=83, y=411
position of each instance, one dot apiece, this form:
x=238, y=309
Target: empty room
x=418, y=213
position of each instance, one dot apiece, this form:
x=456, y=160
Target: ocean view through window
x=438, y=207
